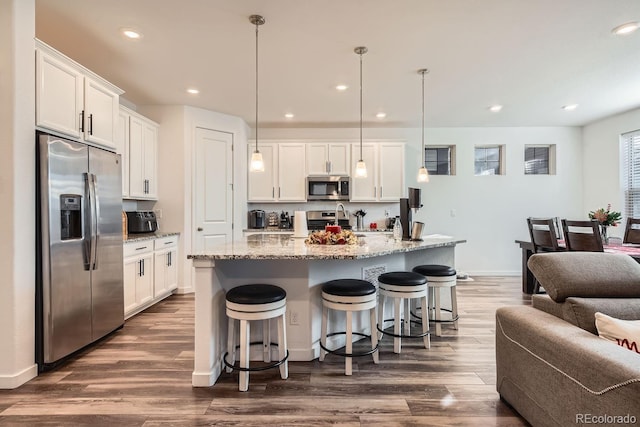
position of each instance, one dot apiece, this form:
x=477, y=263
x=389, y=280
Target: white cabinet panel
x=73, y=101
x=59, y=95
x=385, y=172
x=365, y=189
x=262, y=185
x=142, y=156
x=291, y=172
x=122, y=148
x=283, y=179
x=138, y=276
x=328, y=158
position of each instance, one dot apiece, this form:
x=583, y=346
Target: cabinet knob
x=200, y=228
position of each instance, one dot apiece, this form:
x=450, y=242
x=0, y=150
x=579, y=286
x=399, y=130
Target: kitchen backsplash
x=374, y=212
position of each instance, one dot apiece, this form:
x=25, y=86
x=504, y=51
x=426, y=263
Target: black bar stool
x=403, y=286
x=441, y=277
x=349, y=295
x=256, y=302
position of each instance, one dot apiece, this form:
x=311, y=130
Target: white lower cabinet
x=138, y=276
x=150, y=272
x=165, y=267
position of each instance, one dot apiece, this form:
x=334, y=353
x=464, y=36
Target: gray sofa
x=551, y=366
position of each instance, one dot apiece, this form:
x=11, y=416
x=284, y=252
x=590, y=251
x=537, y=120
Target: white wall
x=175, y=159
x=17, y=191
x=601, y=146
x=490, y=211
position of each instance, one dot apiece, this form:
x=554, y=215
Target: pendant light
x=361, y=167
x=257, y=164
x=423, y=173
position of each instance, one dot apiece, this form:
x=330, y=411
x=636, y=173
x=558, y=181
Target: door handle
x=200, y=229
x=82, y=121
x=91, y=124
x=381, y=191
x=96, y=212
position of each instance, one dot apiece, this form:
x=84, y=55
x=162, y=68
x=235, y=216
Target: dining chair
x=582, y=235
x=544, y=237
x=631, y=233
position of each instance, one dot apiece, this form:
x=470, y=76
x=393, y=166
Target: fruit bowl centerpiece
x=332, y=235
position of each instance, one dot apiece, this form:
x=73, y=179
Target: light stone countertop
x=138, y=237
x=279, y=246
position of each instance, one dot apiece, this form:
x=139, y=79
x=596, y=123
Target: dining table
x=528, y=281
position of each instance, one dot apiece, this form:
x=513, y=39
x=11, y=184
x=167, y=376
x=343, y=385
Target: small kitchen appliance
x=328, y=187
x=409, y=206
x=257, y=219
x=142, y=222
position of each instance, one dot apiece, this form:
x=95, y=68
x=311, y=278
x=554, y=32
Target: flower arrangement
x=344, y=237
x=606, y=217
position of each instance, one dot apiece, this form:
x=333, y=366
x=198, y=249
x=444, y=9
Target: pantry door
x=213, y=189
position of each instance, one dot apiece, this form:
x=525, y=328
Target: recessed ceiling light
x=289, y=115
x=193, y=91
x=132, y=34
x=381, y=115
x=495, y=108
x=342, y=87
x=570, y=107
x=627, y=28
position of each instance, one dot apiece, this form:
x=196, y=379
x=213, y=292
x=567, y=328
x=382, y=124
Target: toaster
x=142, y=222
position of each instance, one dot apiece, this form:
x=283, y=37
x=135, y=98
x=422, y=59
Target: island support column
x=209, y=320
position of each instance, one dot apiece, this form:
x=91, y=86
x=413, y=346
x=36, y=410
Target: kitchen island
x=300, y=269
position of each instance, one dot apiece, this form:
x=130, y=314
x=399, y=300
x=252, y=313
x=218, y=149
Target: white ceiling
x=532, y=56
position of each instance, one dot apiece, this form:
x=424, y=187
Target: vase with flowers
x=606, y=218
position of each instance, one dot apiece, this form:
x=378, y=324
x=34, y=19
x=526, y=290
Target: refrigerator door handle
x=88, y=221
x=92, y=221
x=96, y=233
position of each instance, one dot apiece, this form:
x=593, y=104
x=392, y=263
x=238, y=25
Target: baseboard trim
x=8, y=382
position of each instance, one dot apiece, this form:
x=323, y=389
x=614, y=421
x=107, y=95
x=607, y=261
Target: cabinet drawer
x=165, y=242
x=137, y=248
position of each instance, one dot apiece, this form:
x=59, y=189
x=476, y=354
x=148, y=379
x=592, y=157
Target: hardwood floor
x=141, y=376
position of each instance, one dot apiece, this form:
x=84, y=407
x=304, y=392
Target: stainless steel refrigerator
x=79, y=289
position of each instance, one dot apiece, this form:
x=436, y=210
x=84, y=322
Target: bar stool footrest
x=257, y=368
x=344, y=354
x=422, y=335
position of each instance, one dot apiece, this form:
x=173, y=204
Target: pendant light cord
x=424, y=160
x=361, y=107
x=257, y=87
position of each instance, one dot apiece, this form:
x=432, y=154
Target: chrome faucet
x=338, y=206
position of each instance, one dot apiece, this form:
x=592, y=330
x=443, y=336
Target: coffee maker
x=409, y=206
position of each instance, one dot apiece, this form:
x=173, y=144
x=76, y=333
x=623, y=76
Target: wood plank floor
x=141, y=376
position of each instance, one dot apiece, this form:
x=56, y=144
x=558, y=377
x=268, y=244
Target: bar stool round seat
x=403, y=287
x=349, y=296
x=256, y=302
x=440, y=277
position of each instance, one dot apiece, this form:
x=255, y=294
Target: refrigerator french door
x=79, y=289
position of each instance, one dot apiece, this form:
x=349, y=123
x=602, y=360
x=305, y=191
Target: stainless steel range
x=316, y=220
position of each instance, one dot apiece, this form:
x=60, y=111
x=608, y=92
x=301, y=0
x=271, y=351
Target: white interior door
x=213, y=189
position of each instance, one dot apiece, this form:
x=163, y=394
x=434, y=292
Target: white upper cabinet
x=365, y=189
x=73, y=101
x=262, y=185
x=385, y=172
x=391, y=171
x=328, y=159
x=122, y=148
x=291, y=172
x=143, y=161
x=283, y=179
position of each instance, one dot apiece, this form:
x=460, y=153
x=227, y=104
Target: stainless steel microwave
x=328, y=187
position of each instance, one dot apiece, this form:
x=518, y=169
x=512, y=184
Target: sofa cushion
x=586, y=274
x=625, y=333
x=546, y=304
x=581, y=311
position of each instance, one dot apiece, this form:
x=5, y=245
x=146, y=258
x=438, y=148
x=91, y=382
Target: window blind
x=630, y=154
